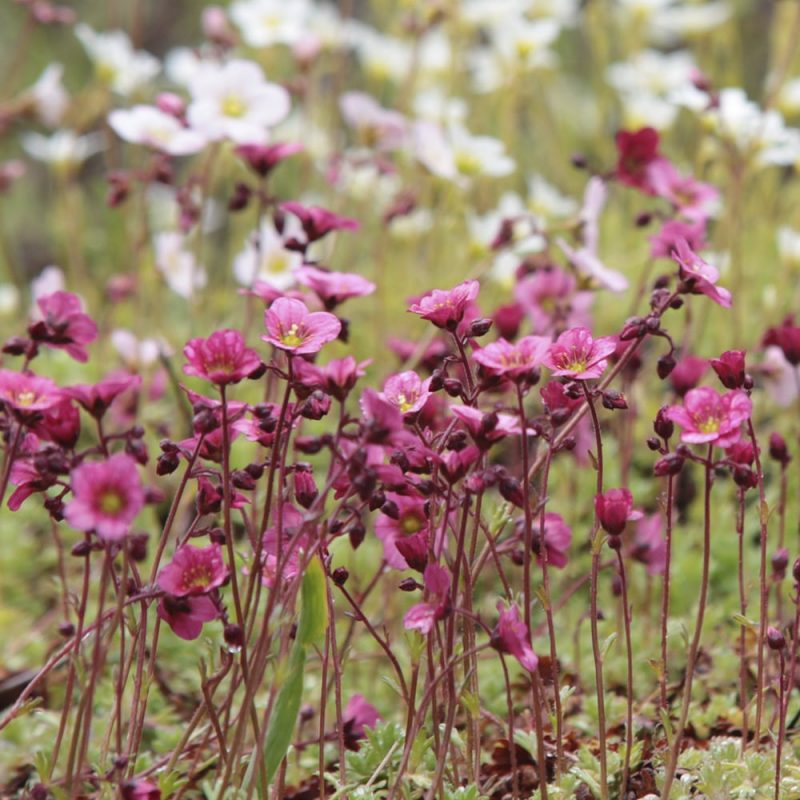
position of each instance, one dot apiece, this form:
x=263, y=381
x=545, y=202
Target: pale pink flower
x=551, y=299
x=292, y=327
x=334, y=287
x=513, y=361
x=557, y=539
x=699, y=275
x=26, y=393
x=511, y=636
x=407, y=391
x=64, y=324
x=446, y=308
x=423, y=616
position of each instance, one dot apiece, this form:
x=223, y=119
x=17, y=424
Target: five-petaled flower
x=513, y=361
x=223, y=358
x=576, y=354
x=407, y=391
x=446, y=308
x=511, y=636
x=107, y=496
x=707, y=416
x=193, y=571
x=292, y=327
x=64, y=324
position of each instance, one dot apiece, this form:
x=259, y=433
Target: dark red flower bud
x=453, y=387
x=670, y=464
x=167, y=463
x=614, y=400
x=81, y=549
x=233, y=635
x=665, y=366
x=780, y=560
x=778, y=450
x=243, y=480
x=744, y=477
x=775, y=639
x=305, y=490
x=137, y=546
x=613, y=509
x=66, y=629
x=511, y=490
x=480, y=327
x=340, y=576
x=414, y=550
x=663, y=425
x=730, y=368
x=796, y=570
x=408, y=585
x=356, y=533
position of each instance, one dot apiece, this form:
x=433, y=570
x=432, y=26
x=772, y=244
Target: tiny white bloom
x=789, y=246
x=235, y=101
x=153, y=127
x=177, y=264
x=116, y=62
x=62, y=149
x=49, y=280
x=135, y=352
x=9, y=299
x=50, y=98
x=268, y=22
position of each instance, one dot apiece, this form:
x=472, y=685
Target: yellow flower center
x=292, y=337
x=411, y=523
x=26, y=398
x=232, y=106
x=197, y=577
x=404, y=403
x=467, y=163
x=710, y=425
x=111, y=502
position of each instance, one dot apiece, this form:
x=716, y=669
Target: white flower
x=151, y=126
x=781, y=379
x=63, y=149
x=789, y=96
x=504, y=269
x=434, y=105
x=412, y=225
x=642, y=109
x=136, y=353
x=183, y=63
x=676, y=21
x=116, y=62
x=653, y=72
x=177, y=264
x=383, y=126
x=236, y=102
x=50, y=98
x=753, y=131
x=458, y=155
x=9, y=299
x=364, y=181
x=265, y=258
x=382, y=57
x=547, y=202
x=267, y=22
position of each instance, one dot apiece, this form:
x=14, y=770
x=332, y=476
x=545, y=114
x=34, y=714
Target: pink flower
x=107, y=496
x=614, y=508
x=140, y=790
x=550, y=298
x=340, y=375
x=317, y=221
x=649, y=545
x=64, y=324
x=446, y=308
x=26, y=393
x=687, y=374
x=358, y=714
x=186, y=615
x=263, y=158
x=575, y=354
x=672, y=231
x=513, y=361
x=691, y=198
x=411, y=519
x=557, y=539
x=193, y=571
x=292, y=327
x=28, y=480
x=709, y=417
x=334, y=287
x=223, y=358
x=423, y=616
x=60, y=424
x=407, y=391
x=487, y=428
x=511, y=636
x=786, y=336
x=96, y=398
x=383, y=420
x=698, y=275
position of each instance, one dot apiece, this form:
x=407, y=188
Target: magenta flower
x=649, y=546
x=487, y=428
x=27, y=394
x=513, y=361
x=706, y=416
x=292, y=327
x=730, y=368
x=318, y=221
x=551, y=299
x=334, y=287
x=383, y=420
x=687, y=374
x=575, y=354
x=140, y=790
x=358, y=715
x=411, y=519
x=557, y=539
x=341, y=374
x=263, y=158
x=64, y=324
x=637, y=156
x=423, y=616
x=60, y=424
x=97, y=397
x=446, y=308
x=186, y=615
x=672, y=231
x=614, y=508
x=786, y=336
x=407, y=391
x=698, y=275
x=107, y=496
x=691, y=198
x=223, y=358
x=28, y=480
x=511, y=636
x=193, y=571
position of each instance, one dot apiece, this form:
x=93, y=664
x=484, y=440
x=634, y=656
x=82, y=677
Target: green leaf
x=606, y=645
x=284, y=715
x=314, y=610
